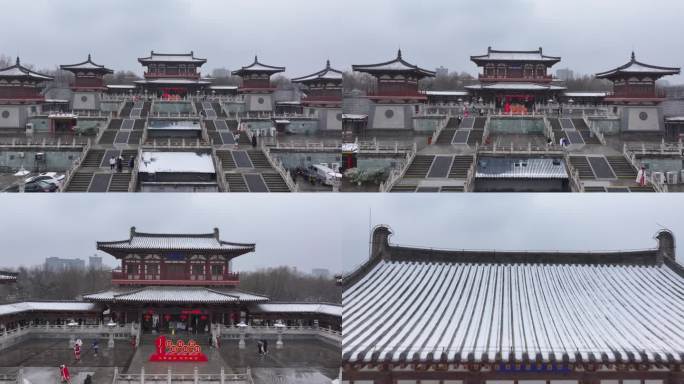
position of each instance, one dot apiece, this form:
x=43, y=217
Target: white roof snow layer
x=178, y=162
x=414, y=309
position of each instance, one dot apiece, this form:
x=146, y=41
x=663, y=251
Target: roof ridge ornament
x=327, y=64
x=633, y=56
x=89, y=57
x=399, y=54
x=18, y=61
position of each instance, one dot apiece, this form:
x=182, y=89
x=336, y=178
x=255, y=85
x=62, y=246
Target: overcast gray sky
x=589, y=35
x=579, y=222
x=331, y=231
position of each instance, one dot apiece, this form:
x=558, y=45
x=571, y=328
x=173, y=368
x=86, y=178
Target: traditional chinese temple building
x=21, y=93
x=324, y=96
x=515, y=80
x=170, y=75
x=88, y=84
x=635, y=94
x=418, y=315
x=256, y=85
x=397, y=97
x=175, y=281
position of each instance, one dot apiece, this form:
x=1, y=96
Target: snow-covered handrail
x=74, y=166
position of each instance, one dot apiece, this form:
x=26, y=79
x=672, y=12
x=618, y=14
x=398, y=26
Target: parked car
x=50, y=177
x=41, y=186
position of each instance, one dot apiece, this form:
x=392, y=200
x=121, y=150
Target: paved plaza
x=299, y=361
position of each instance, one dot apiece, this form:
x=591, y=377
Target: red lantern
x=203, y=317
x=183, y=317
x=167, y=317
x=147, y=317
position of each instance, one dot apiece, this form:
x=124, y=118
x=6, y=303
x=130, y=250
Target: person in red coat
x=77, y=352
x=64, y=374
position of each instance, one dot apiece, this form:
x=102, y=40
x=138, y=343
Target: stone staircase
x=480, y=123
x=460, y=166
x=108, y=137
x=244, y=139
x=80, y=182
x=621, y=167
x=274, y=182
x=258, y=158
x=126, y=110
x=219, y=110
x=558, y=132
x=135, y=137
x=236, y=183
x=93, y=159
x=475, y=137
x=403, y=188
x=226, y=158
x=586, y=133
x=119, y=182
x=419, y=167
x=446, y=136
x=581, y=164
x=146, y=109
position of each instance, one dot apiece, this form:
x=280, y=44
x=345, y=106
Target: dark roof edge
x=381, y=249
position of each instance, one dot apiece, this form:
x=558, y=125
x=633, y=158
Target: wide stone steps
x=622, y=168
x=244, y=139
x=236, y=183
x=581, y=164
x=452, y=123
x=480, y=123
x=119, y=182
x=80, y=182
x=139, y=125
x=403, y=188
x=460, y=166
x=227, y=161
x=115, y=124
x=275, y=182
x=259, y=160
x=93, y=159
x=146, y=108
x=419, y=166
x=108, y=137
x=218, y=109
x=126, y=111
x=588, y=137
x=475, y=137
x=446, y=136
x=135, y=137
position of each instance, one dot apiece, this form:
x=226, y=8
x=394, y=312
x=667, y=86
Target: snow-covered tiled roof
x=325, y=309
x=177, y=162
x=517, y=87
x=447, y=93
x=155, y=57
x=513, y=168
x=172, y=81
x=165, y=241
x=585, y=94
x=420, y=304
x=523, y=56
x=227, y=87
x=396, y=65
x=634, y=66
x=157, y=294
x=19, y=71
x=87, y=65
x=327, y=73
x=120, y=86
x=256, y=66
x=47, y=306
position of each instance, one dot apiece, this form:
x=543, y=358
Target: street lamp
x=72, y=338
x=280, y=327
x=243, y=328
x=21, y=173
x=110, y=342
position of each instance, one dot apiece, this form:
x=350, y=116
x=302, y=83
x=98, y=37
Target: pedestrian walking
x=77, y=352
x=96, y=348
x=112, y=163
x=119, y=164
x=254, y=141
x=64, y=375
x=131, y=163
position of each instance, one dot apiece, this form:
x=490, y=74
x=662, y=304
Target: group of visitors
x=116, y=162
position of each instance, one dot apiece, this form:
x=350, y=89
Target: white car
x=49, y=177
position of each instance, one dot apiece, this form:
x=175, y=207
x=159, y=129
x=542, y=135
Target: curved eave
x=658, y=71
x=377, y=69
x=482, y=60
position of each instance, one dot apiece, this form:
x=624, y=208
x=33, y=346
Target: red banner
x=167, y=350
